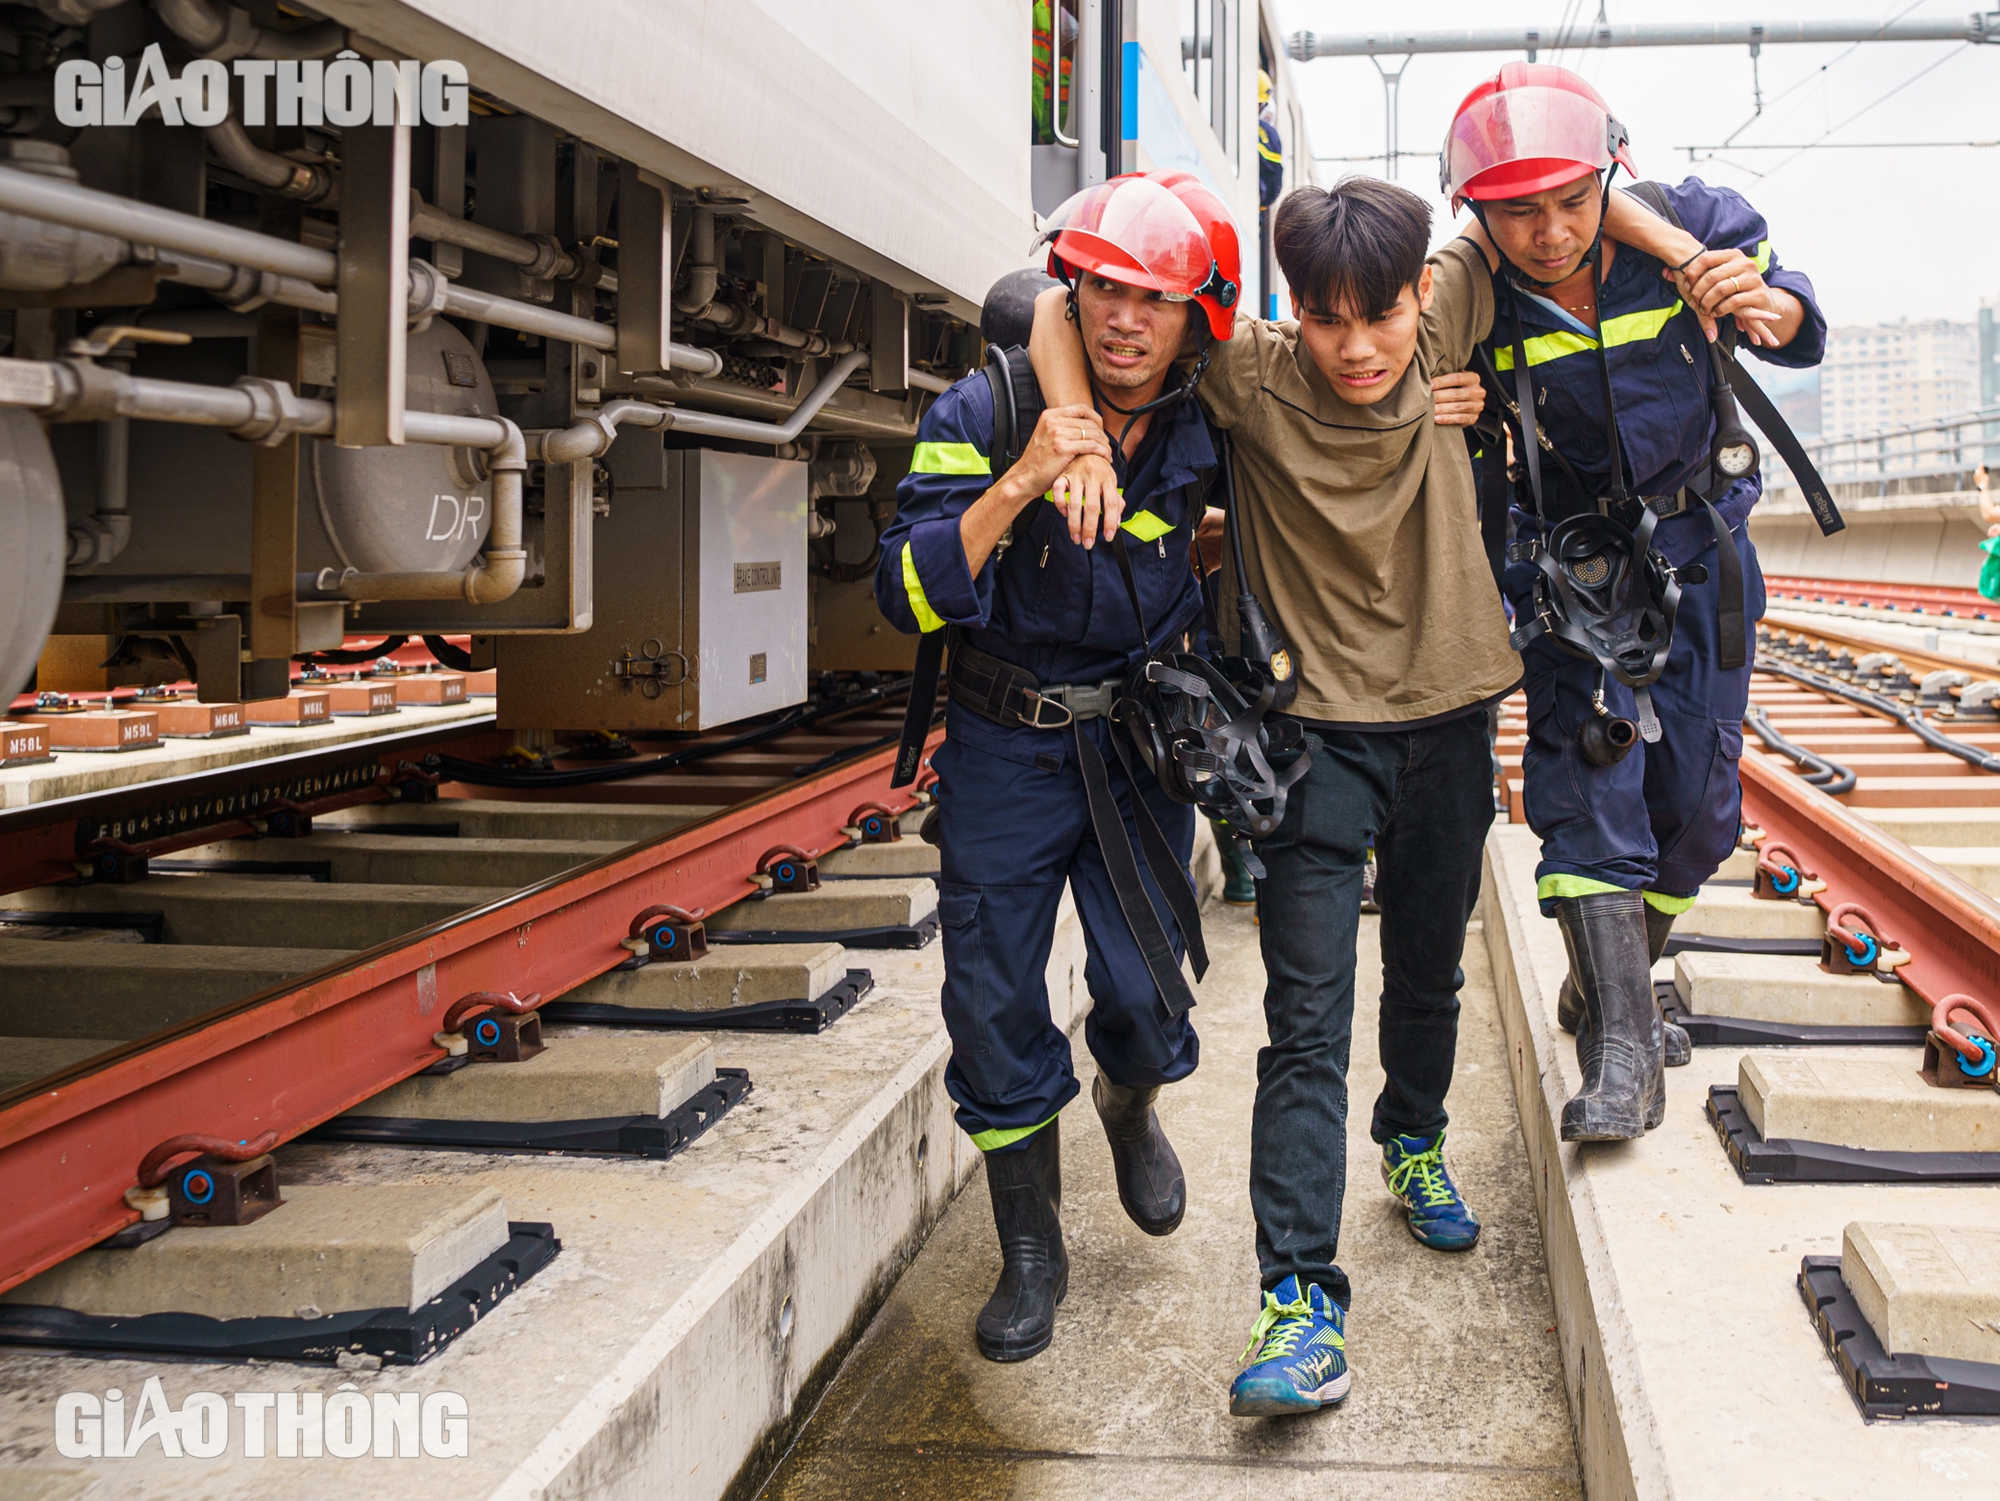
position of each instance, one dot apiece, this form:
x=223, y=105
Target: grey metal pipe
x=242, y=288
x=541, y=258
x=1304, y=46
x=130, y=221
x=223, y=32
x=307, y=182
x=710, y=425
x=703, y=274
x=923, y=380
x=502, y=564
x=594, y=435
x=103, y=535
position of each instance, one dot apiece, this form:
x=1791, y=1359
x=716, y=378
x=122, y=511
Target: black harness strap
x=1116, y=847
x=1750, y=396
x=922, y=705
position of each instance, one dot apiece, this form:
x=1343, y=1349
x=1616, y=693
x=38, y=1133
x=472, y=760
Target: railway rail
x=269, y=1065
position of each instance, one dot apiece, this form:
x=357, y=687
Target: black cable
x=1910, y=719
x=1829, y=776
x=348, y=658
x=449, y=655
x=481, y=774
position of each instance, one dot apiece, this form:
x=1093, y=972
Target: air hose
x=1829, y=776
x=1910, y=719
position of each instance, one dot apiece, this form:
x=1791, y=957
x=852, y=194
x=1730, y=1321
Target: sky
x=1884, y=234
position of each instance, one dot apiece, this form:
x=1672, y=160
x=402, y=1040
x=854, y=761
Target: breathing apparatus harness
x=1602, y=592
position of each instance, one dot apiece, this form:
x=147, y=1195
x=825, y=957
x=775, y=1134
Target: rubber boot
x=1618, y=1041
x=1151, y=1185
x=1676, y=1049
x=1019, y=1320
x=1239, y=887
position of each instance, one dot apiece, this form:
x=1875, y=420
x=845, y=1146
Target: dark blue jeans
x=1425, y=799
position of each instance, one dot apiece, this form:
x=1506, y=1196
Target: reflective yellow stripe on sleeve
x=1762, y=259
x=949, y=458
x=928, y=620
x=1626, y=328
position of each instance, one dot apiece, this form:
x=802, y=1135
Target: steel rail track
x=1921, y=662
x=1950, y=929
x=44, y=842
x=295, y=1054
x=1931, y=599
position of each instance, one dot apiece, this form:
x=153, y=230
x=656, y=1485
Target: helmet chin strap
x=1171, y=398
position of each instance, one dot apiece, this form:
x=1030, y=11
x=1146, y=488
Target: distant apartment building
x=1890, y=373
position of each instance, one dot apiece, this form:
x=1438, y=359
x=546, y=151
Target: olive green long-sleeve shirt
x=1360, y=523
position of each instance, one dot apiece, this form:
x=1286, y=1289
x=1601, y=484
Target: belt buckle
x=1092, y=701
x=1664, y=506
x=1036, y=700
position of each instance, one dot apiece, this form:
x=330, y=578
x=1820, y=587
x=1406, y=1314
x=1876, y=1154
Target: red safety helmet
x=1528, y=128
x=1147, y=233
x=1218, y=299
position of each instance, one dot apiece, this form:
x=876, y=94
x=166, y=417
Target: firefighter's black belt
x=1010, y=696
x=1007, y=695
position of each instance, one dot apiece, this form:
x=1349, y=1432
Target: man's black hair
x=1354, y=245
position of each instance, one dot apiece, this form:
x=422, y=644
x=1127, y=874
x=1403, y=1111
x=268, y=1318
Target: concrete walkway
x=1457, y=1388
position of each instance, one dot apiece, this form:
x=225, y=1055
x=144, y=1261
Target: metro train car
x=596, y=334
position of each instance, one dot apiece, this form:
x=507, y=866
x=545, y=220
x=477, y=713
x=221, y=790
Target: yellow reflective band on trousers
x=1626, y=328
x=1555, y=888
x=949, y=458
x=1673, y=906
x=928, y=620
x=993, y=1141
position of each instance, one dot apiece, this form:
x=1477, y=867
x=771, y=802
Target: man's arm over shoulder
x=921, y=581
x=1461, y=310
x=1723, y=217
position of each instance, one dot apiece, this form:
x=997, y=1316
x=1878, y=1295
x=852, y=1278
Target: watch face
x=1281, y=664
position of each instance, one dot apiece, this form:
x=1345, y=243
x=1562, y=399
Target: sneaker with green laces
x=1413, y=1167
x=1297, y=1354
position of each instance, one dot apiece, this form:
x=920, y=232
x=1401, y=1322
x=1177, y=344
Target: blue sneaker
x=1297, y=1354
x=1413, y=1167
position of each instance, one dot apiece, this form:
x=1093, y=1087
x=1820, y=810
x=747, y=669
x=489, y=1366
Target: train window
x=1207, y=61
x=1055, y=49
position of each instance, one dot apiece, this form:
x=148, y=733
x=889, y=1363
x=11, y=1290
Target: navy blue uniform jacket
x=1659, y=371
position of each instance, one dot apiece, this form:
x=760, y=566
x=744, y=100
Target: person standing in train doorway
x=1034, y=793
x=1634, y=582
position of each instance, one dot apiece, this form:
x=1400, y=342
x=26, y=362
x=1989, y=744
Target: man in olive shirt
x=1361, y=538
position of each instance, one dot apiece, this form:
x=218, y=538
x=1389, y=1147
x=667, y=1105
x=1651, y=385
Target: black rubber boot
x=1019, y=1320
x=1675, y=1047
x=1151, y=1185
x=1618, y=1041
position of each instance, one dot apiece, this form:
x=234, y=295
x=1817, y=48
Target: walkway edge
x=1617, y=1440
